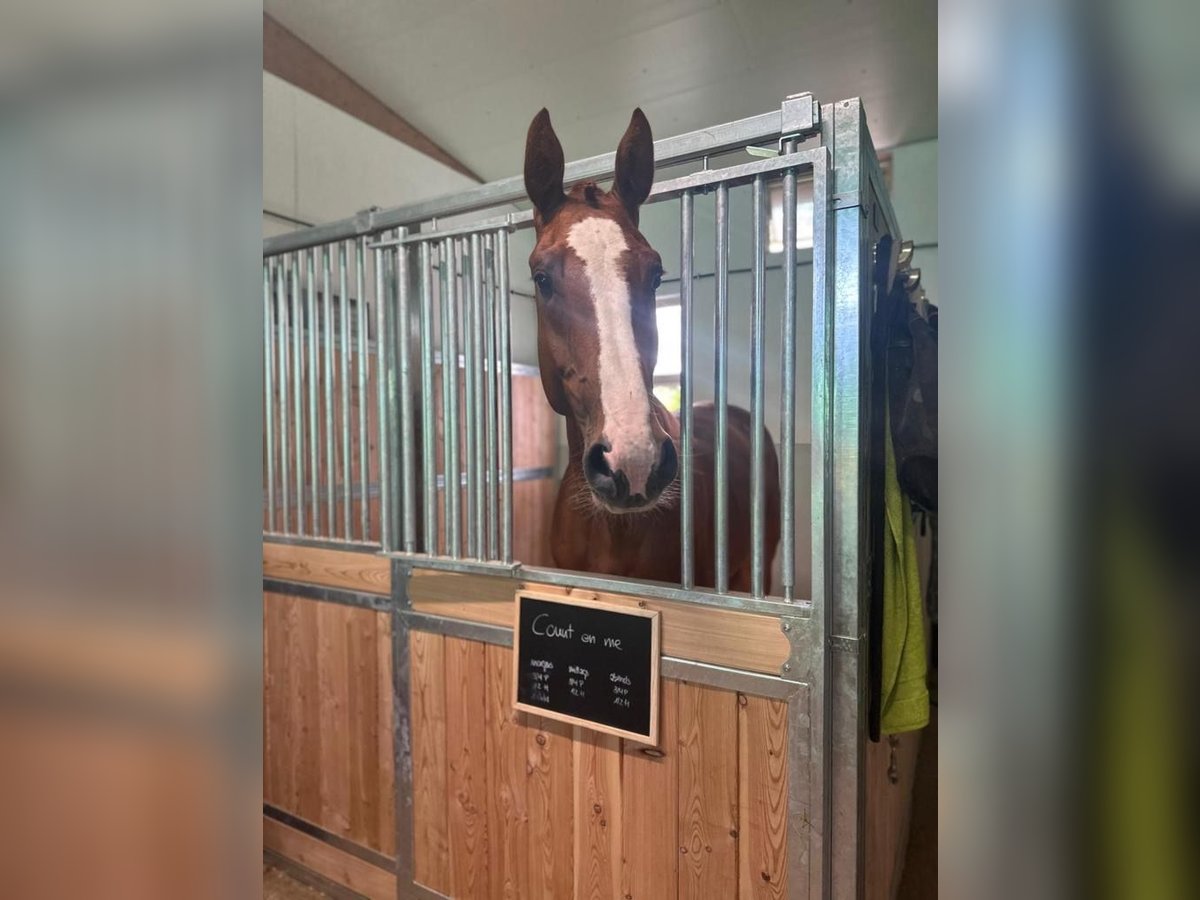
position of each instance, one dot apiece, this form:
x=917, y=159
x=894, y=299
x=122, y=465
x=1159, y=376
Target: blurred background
x=1048, y=169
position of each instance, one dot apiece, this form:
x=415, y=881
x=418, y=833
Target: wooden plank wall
x=723, y=637
x=364, y=573
x=888, y=808
x=510, y=805
x=327, y=717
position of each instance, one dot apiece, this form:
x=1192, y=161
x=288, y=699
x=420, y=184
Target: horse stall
x=405, y=511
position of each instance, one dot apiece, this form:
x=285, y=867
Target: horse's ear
x=635, y=164
x=544, y=166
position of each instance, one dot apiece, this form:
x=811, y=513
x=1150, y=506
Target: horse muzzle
x=629, y=485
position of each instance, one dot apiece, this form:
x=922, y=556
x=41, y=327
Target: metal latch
x=801, y=117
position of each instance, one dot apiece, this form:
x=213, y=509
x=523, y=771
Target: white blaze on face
x=599, y=243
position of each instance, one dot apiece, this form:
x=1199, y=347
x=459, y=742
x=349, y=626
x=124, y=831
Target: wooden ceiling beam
x=297, y=63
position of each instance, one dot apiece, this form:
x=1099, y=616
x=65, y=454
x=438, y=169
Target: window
x=670, y=363
x=804, y=209
x=804, y=217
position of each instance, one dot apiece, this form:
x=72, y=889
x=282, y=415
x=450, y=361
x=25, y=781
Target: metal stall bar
x=269, y=389
x=327, y=333
x=311, y=375
x=298, y=389
x=757, y=361
x=687, y=394
x=450, y=468
x=721, y=390
x=281, y=336
x=408, y=437
x=428, y=437
x=395, y=509
x=364, y=467
x=732, y=176
x=344, y=383
x=504, y=373
x=467, y=309
x=383, y=368
x=490, y=376
x=475, y=364
x=787, y=475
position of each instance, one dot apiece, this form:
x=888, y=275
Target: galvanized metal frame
x=402, y=742
x=358, y=599
x=827, y=663
x=671, y=151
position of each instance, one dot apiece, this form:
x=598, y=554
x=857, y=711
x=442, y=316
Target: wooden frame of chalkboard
x=647, y=736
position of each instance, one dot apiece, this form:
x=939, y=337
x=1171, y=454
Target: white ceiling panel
x=471, y=74
x=320, y=163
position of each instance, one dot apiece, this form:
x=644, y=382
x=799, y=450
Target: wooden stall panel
x=466, y=778
x=535, y=424
x=723, y=637
x=650, y=791
x=508, y=818
x=533, y=512
x=550, y=799
x=598, y=814
x=431, y=842
x=532, y=808
x=763, y=790
x=327, y=723
x=337, y=865
x=365, y=573
x=708, y=784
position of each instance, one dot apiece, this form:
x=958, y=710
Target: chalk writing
x=566, y=652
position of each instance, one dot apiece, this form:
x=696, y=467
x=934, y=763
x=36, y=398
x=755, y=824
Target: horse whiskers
x=583, y=501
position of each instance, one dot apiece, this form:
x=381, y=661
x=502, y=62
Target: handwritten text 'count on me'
x=542, y=628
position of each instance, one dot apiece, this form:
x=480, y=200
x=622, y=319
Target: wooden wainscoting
x=709, y=634
x=327, y=719
x=330, y=862
x=511, y=805
x=353, y=570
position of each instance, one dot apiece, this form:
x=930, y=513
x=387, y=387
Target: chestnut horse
x=617, y=511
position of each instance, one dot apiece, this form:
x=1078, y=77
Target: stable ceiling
x=470, y=74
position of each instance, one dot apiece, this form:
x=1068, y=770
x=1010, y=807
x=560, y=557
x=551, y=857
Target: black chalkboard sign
x=588, y=663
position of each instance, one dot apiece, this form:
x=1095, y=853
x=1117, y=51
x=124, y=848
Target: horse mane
x=588, y=192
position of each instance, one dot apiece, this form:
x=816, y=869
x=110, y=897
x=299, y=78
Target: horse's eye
x=657, y=278
x=542, y=280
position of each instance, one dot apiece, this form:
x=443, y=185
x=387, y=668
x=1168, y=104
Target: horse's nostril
x=664, y=472
x=597, y=460
x=606, y=483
